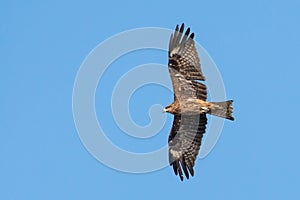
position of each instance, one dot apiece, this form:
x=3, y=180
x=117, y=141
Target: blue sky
x=255, y=45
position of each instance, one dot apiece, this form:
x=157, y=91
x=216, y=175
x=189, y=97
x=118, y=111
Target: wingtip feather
x=192, y=36
x=183, y=166
x=187, y=31
x=175, y=169
x=181, y=28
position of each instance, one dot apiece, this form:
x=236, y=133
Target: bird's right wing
x=184, y=142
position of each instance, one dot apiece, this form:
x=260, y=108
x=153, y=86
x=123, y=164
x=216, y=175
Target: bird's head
x=168, y=109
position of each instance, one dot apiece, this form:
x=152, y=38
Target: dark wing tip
x=181, y=28
x=231, y=118
x=179, y=171
x=183, y=166
x=181, y=177
x=192, y=36
x=190, y=167
x=187, y=31
x=175, y=168
x=192, y=171
x=177, y=28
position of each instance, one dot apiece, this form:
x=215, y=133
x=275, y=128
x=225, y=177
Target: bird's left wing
x=184, y=66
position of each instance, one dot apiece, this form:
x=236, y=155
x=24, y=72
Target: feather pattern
x=184, y=142
x=184, y=66
x=183, y=55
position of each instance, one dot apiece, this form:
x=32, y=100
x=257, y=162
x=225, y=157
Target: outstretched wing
x=184, y=66
x=184, y=142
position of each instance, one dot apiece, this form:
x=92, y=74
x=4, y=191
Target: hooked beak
x=164, y=110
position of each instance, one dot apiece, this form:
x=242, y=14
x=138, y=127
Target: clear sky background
x=255, y=45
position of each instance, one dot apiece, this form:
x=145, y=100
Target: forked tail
x=222, y=109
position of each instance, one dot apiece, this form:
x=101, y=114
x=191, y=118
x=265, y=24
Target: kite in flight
x=189, y=107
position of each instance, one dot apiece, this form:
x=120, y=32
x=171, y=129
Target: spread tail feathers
x=222, y=109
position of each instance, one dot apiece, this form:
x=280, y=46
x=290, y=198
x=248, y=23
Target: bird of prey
x=190, y=106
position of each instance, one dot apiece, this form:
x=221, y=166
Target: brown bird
x=189, y=107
